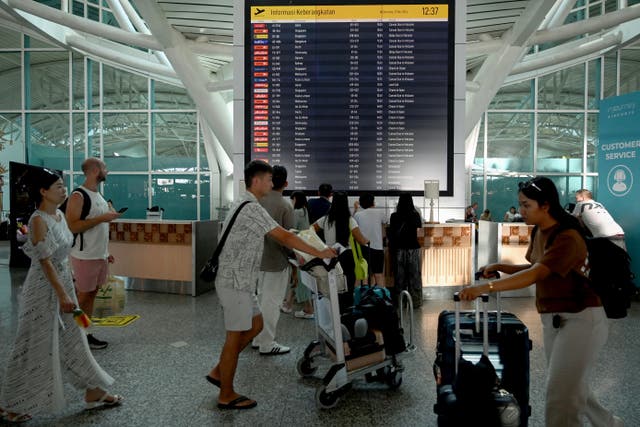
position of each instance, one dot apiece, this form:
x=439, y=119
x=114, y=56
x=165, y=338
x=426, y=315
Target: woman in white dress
x=49, y=344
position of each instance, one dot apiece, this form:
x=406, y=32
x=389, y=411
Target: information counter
x=162, y=255
x=447, y=255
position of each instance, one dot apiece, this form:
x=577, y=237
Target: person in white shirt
x=371, y=222
x=90, y=252
x=595, y=218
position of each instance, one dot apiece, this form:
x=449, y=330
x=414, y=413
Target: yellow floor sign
x=118, y=321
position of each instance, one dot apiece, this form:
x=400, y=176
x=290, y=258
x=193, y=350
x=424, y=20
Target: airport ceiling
x=190, y=42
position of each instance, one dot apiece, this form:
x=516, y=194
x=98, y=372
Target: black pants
x=349, y=269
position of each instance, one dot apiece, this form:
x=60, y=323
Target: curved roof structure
x=189, y=43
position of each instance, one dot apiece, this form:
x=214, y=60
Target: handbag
x=210, y=269
x=361, y=264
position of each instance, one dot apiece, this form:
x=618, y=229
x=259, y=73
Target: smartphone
x=122, y=210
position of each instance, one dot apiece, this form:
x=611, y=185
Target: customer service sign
x=619, y=166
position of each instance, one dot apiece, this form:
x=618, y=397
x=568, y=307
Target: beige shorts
x=89, y=274
x=239, y=308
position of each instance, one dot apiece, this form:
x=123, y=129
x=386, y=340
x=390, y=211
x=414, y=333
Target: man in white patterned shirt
x=237, y=278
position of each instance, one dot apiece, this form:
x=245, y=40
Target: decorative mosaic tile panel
x=516, y=234
x=176, y=234
x=452, y=237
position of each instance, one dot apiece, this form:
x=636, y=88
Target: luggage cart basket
x=330, y=337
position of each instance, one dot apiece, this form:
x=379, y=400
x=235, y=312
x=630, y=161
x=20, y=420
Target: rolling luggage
x=500, y=348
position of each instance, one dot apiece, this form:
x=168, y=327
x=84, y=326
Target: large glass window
x=11, y=87
x=502, y=193
x=592, y=142
x=175, y=143
x=560, y=142
x=509, y=142
x=47, y=139
x=77, y=81
x=48, y=80
x=563, y=90
x=205, y=197
x=593, y=88
x=78, y=108
x=78, y=139
x=94, y=132
x=176, y=194
x=128, y=190
x=204, y=163
x=11, y=142
x=516, y=96
x=122, y=90
x=169, y=97
x=10, y=39
x=125, y=141
x=610, y=77
x=629, y=66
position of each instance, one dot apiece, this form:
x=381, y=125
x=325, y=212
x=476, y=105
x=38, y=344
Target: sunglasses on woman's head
x=523, y=185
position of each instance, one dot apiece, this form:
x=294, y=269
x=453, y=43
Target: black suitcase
x=508, y=347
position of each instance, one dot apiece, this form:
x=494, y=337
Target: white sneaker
x=275, y=350
x=285, y=309
x=303, y=315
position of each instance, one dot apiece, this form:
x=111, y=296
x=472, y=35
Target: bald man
x=90, y=252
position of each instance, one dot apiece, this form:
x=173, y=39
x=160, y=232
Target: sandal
x=213, y=381
x=16, y=418
x=103, y=402
x=234, y=404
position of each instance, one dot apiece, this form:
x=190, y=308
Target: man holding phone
x=90, y=251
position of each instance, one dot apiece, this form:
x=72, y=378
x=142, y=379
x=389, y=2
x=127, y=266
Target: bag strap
x=216, y=252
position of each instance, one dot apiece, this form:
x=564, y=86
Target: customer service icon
x=620, y=180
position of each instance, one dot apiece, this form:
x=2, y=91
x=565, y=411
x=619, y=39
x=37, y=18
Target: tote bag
x=362, y=267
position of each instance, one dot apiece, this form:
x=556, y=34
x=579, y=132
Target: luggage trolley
x=329, y=337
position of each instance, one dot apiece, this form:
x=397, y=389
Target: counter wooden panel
x=151, y=249
x=447, y=255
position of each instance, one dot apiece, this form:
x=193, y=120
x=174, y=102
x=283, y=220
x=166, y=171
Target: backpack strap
x=84, y=213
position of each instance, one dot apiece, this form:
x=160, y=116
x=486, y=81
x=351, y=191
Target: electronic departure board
x=357, y=95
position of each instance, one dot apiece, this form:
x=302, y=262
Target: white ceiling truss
x=189, y=43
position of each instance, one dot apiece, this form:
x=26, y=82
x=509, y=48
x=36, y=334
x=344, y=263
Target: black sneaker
x=95, y=343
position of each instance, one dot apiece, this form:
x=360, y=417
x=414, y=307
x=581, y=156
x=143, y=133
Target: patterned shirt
x=242, y=252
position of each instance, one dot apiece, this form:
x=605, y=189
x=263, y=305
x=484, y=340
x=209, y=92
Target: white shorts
x=239, y=308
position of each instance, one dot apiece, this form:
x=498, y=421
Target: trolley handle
x=319, y=262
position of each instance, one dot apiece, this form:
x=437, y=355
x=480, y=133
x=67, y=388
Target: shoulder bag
x=361, y=264
x=210, y=269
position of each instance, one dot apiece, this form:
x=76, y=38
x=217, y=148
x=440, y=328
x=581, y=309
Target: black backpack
x=380, y=313
x=609, y=274
x=86, y=207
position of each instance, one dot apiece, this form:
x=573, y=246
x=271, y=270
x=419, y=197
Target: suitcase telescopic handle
x=485, y=326
x=494, y=275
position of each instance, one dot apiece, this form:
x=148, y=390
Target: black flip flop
x=213, y=381
x=234, y=404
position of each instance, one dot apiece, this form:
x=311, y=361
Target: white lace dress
x=49, y=344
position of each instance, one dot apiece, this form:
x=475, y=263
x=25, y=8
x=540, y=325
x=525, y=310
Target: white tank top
x=96, y=239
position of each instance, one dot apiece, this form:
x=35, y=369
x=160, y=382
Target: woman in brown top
x=574, y=323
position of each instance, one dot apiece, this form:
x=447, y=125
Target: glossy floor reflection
x=160, y=360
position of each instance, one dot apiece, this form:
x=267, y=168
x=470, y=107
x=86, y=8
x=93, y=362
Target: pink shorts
x=89, y=274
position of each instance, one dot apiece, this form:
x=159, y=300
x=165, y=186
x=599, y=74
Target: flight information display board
x=359, y=96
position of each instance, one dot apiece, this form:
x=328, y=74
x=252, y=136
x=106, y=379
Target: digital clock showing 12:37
x=429, y=10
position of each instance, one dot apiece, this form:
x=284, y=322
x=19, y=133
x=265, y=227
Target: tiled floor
x=164, y=385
